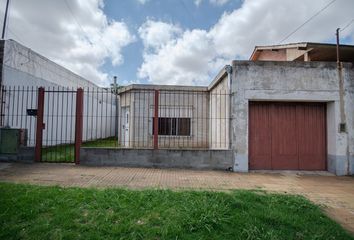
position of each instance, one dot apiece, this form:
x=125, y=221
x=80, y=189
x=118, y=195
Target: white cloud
x=219, y=2
x=195, y=56
x=214, y=2
x=142, y=1
x=197, y=2
x=185, y=61
x=81, y=43
x=156, y=34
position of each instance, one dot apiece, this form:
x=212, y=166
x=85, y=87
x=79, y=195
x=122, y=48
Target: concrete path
x=336, y=194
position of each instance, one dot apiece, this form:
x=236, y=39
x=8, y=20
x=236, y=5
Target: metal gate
x=59, y=124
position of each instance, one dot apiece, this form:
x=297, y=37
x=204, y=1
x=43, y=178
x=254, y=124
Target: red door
x=260, y=136
x=312, y=136
x=287, y=136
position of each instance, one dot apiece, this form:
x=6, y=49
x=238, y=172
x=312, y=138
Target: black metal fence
x=186, y=119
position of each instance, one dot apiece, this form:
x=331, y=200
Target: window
x=173, y=126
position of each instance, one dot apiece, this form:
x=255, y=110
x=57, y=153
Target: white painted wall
x=25, y=70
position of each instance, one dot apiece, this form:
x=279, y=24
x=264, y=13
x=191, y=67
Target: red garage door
x=287, y=136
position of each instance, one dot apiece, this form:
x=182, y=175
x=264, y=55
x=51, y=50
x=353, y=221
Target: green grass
x=35, y=212
x=65, y=152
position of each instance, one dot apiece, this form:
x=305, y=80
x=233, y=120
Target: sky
x=183, y=42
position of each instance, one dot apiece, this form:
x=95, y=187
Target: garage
x=287, y=136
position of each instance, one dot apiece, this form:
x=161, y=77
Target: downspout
x=228, y=70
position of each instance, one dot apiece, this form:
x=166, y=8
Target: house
x=304, y=51
x=189, y=117
x=290, y=107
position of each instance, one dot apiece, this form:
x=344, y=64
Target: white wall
x=99, y=116
x=24, y=67
x=219, y=115
x=24, y=71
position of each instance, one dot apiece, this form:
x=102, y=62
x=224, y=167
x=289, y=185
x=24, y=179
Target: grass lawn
x=65, y=152
x=35, y=212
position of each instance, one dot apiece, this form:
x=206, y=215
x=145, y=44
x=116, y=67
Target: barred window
x=173, y=126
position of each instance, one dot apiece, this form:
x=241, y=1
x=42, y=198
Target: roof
x=319, y=51
x=220, y=76
x=161, y=87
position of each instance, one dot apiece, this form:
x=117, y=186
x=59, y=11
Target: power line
x=77, y=22
x=188, y=11
x=348, y=24
x=308, y=20
x=82, y=29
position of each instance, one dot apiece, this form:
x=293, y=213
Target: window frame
x=174, y=124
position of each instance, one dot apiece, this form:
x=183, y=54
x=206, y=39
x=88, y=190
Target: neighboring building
x=305, y=51
x=23, y=71
x=21, y=66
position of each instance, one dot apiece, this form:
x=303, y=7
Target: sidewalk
x=335, y=193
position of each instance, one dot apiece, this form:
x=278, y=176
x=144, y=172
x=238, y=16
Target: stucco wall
x=293, y=81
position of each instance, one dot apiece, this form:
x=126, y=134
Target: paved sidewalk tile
x=335, y=194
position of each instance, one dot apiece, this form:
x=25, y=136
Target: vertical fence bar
x=78, y=123
x=156, y=120
x=40, y=125
x=2, y=104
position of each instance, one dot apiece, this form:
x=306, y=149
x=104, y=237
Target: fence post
x=2, y=103
x=40, y=125
x=78, y=123
x=156, y=120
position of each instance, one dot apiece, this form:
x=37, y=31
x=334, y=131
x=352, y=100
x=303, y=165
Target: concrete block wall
x=162, y=158
x=24, y=155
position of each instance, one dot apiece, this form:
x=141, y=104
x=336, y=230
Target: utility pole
x=5, y=18
x=337, y=35
x=342, y=125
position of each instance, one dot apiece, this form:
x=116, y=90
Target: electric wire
x=308, y=20
x=346, y=26
x=77, y=22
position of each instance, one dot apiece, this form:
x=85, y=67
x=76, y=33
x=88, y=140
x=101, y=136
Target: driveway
x=335, y=194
